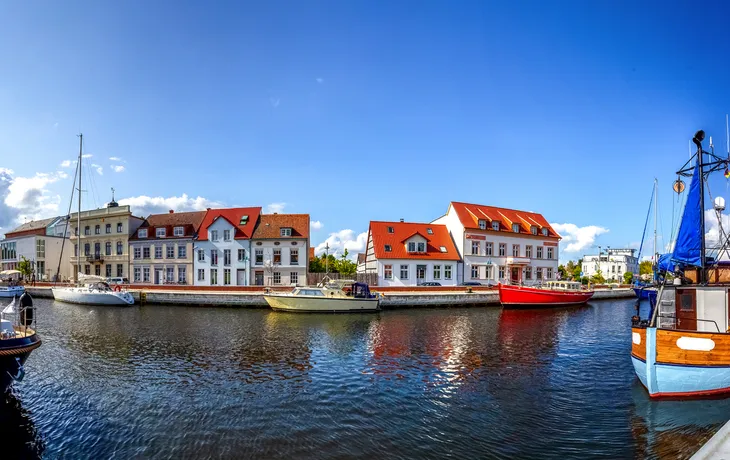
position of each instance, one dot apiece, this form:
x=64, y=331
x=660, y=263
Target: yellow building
x=104, y=241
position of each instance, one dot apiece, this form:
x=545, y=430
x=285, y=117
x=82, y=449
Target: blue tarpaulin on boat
x=688, y=246
x=665, y=263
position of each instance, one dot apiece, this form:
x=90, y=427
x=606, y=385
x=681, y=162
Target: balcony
x=95, y=258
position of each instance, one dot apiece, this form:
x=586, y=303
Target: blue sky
x=356, y=111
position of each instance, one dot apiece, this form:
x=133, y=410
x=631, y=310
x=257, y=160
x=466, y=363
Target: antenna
x=727, y=136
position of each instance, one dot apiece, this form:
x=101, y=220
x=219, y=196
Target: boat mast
x=78, y=215
x=654, y=257
x=699, y=136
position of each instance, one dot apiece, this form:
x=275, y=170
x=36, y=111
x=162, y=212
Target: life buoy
x=117, y=288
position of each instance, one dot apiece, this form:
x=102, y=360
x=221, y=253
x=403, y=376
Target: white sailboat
x=91, y=290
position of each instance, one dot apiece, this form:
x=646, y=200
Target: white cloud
x=320, y=80
x=62, y=174
x=275, y=208
x=66, y=164
x=344, y=239
x=24, y=198
x=145, y=205
x=99, y=169
x=117, y=159
x=576, y=239
x=118, y=168
x=87, y=155
x=316, y=225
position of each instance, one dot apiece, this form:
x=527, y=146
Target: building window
x=476, y=247
x=404, y=272
x=142, y=233
x=181, y=275
x=182, y=251
x=420, y=273
x=391, y=230
x=137, y=253
x=158, y=251
x=87, y=269
x=120, y=269
x=388, y=272
x=285, y=231
x=475, y=272
x=411, y=246
x=146, y=252
x=76, y=231
x=421, y=247
x=40, y=248
x=160, y=232
x=170, y=274
x=97, y=230
x=108, y=270
x=120, y=248
x=97, y=250
x=201, y=255
x=76, y=250
x=495, y=225
x=387, y=248
x=277, y=277
x=201, y=274
x=119, y=227
x=214, y=235
x=515, y=250
x=528, y=251
x=437, y=272
x=277, y=256
x=226, y=235
x=516, y=228
x=146, y=274
x=226, y=257
x=213, y=276
x=108, y=228
x=528, y=273
x=97, y=270
x=442, y=249
x=447, y=272
x=545, y=232
x=137, y=274
x=538, y=273
x=294, y=257
x=241, y=255
x=533, y=230
x=429, y=230
x=294, y=278
x=259, y=255
x=549, y=273
x=87, y=230
x=244, y=220
x=502, y=249
x=482, y=224
x=87, y=249
x=178, y=231
x=501, y=272
x=488, y=248
x=539, y=252
x=549, y=252
x=170, y=249
x=214, y=257
x=226, y=276
x=490, y=272
x=108, y=248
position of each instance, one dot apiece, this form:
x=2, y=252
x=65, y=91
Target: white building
x=410, y=254
x=280, y=248
x=498, y=244
x=223, y=247
x=40, y=242
x=612, y=264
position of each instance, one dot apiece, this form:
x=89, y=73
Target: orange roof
x=271, y=224
x=438, y=237
x=233, y=216
x=471, y=214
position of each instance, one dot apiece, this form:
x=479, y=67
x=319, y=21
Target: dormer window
x=442, y=248
x=411, y=246
x=286, y=231
x=142, y=233
x=160, y=232
x=545, y=231
x=516, y=228
x=387, y=248
x=178, y=231
x=495, y=225
x=391, y=230
x=421, y=247
x=482, y=224
x=429, y=230
x=533, y=230
x=244, y=220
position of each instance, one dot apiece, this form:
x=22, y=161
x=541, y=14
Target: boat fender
x=26, y=309
x=117, y=288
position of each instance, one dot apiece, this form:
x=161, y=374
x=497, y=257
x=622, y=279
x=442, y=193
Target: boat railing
x=690, y=319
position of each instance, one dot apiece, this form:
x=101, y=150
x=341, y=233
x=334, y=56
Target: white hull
x=15, y=291
x=287, y=302
x=88, y=296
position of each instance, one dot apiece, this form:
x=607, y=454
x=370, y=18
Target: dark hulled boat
x=17, y=339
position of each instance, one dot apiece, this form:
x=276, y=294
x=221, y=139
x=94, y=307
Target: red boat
x=554, y=294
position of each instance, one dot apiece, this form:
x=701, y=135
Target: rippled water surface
x=176, y=382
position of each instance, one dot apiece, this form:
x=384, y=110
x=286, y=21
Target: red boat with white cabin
x=553, y=294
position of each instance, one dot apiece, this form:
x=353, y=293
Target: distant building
x=39, y=241
x=612, y=264
x=280, y=249
x=223, y=247
x=498, y=244
x=162, y=248
x=361, y=257
x=409, y=254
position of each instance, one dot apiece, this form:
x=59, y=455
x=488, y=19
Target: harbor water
x=186, y=382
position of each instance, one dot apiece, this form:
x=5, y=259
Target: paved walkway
x=717, y=448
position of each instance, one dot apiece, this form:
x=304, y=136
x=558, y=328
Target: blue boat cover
x=688, y=246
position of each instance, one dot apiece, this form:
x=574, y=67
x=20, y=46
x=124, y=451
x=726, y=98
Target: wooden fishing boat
x=17, y=339
x=552, y=294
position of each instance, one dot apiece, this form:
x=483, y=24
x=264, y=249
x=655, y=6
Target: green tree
x=316, y=265
x=645, y=267
x=563, y=272
x=577, y=268
x=628, y=277
x=598, y=278
x=25, y=267
x=584, y=280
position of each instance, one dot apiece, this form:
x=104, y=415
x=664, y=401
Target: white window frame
x=502, y=249
x=182, y=251
x=169, y=251
x=201, y=274
x=448, y=272
x=142, y=233
x=213, y=276
x=160, y=232
x=482, y=224
x=528, y=251
x=277, y=278
x=495, y=225
x=411, y=246
x=226, y=235
x=404, y=269
x=515, y=249
x=550, y=252
x=538, y=254
x=294, y=278
x=214, y=235
x=201, y=255
x=294, y=256
x=437, y=272
x=476, y=245
x=178, y=231
x=475, y=272
x=515, y=228
x=285, y=231
x=388, y=270
x=158, y=251
x=182, y=276
x=276, y=252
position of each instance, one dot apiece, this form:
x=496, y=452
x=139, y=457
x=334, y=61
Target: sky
x=354, y=111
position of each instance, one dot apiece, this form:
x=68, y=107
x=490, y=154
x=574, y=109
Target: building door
x=259, y=275
x=158, y=275
x=420, y=274
x=516, y=275
x=686, y=305
x=241, y=277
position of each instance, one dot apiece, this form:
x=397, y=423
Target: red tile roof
x=232, y=215
x=402, y=231
x=471, y=214
x=270, y=226
x=190, y=221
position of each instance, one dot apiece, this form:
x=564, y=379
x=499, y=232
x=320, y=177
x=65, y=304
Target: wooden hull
x=681, y=364
x=285, y=302
x=519, y=296
x=87, y=296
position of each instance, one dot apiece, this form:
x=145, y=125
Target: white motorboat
x=328, y=296
x=94, y=291
x=10, y=287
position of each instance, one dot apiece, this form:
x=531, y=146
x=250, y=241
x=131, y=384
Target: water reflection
x=18, y=435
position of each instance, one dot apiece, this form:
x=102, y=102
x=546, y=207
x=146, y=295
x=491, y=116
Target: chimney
x=172, y=211
x=207, y=209
x=401, y=219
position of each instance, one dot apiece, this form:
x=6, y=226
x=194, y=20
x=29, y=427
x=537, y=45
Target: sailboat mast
x=656, y=203
x=78, y=214
x=700, y=161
